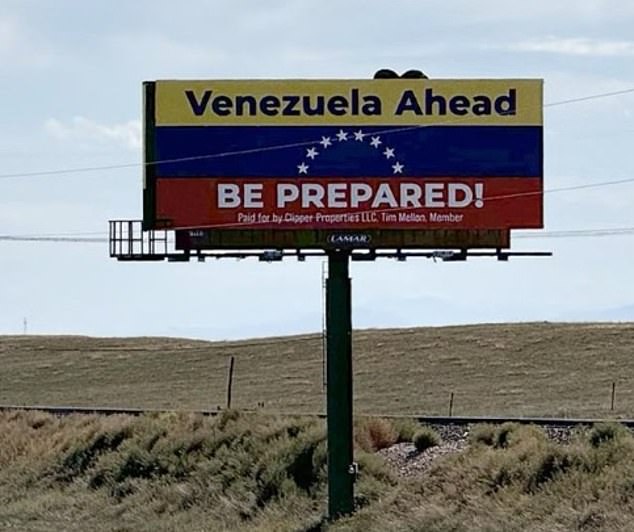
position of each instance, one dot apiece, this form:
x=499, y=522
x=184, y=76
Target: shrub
x=425, y=438
x=373, y=466
x=374, y=434
x=503, y=434
x=405, y=429
x=483, y=434
x=226, y=417
x=606, y=432
x=304, y=469
x=529, y=463
x=138, y=463
x=549, y=464
x=83, y=455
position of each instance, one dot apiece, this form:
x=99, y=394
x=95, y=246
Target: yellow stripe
x=173, y=107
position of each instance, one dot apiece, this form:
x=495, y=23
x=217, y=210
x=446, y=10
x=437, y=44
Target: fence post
x=230, y=382
x=451, y=405
x=613, y=392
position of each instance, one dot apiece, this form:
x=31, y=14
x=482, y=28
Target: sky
x=70, y=87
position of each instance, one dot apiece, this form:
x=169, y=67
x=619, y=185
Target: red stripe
x=507, y=203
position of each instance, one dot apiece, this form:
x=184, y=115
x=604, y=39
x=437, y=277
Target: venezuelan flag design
x=328, y=154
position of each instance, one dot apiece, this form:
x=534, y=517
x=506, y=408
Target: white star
x=398, y=168
x=375, y=142
x=311, y=153
x=325, y=142
x=389, y=152
x=358, y=135
x=342, y=135
x=302, y=168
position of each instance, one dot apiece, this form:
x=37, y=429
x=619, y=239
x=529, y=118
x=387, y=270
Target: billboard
x=318, y=157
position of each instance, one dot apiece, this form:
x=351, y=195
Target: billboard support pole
x=341, y=469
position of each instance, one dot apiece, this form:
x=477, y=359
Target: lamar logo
x=349, y=239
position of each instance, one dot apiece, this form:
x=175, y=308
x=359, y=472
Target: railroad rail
x=431, y=420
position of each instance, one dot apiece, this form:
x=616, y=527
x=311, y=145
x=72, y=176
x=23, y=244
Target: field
x=260, y=471
x=537, y=369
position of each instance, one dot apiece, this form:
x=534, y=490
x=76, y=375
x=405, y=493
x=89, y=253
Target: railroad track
x=431, y=420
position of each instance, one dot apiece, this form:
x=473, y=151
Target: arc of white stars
x=398, y=168
x=341, y=136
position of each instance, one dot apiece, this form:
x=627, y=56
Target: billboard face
x=344, y=155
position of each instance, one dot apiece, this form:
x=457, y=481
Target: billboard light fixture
x=271, y=255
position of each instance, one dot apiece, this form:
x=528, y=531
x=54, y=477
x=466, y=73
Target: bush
x=374, y=434
x=606, y=432
x=226, y=417
x=425, y=438
x=405, y=429
x=483, y=434
x=550, y=464
x=503, y=434
x=84, y=454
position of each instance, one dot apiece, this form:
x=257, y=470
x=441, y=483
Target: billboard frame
x=149, y=155
x=287, y=238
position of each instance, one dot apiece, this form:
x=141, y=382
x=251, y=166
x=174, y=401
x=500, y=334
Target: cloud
x=20, y=47
x=577, y=46
x=152, y=54
x=9, y=36
x=83, y=130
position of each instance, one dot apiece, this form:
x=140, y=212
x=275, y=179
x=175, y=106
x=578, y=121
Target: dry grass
x=525, y=369
x=374, y=434
x=161, y=472
x=529, y=483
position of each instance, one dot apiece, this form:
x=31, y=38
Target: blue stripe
x=478, y=151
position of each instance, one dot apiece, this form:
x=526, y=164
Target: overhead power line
x=84, y=240
x=570, y=233
x=273, y=147
x=577, y=233
x=399, y=209
x=591, y=97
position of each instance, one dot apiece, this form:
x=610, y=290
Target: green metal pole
x=339, y=385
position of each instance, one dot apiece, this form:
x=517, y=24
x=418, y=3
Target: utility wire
x=11, y=238
x=591, y=97
x=571, y=233
x=275, y=147
x=578, y=233
x=388, y=210
x=83, y=236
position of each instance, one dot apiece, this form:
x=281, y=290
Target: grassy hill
x=520, y=369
